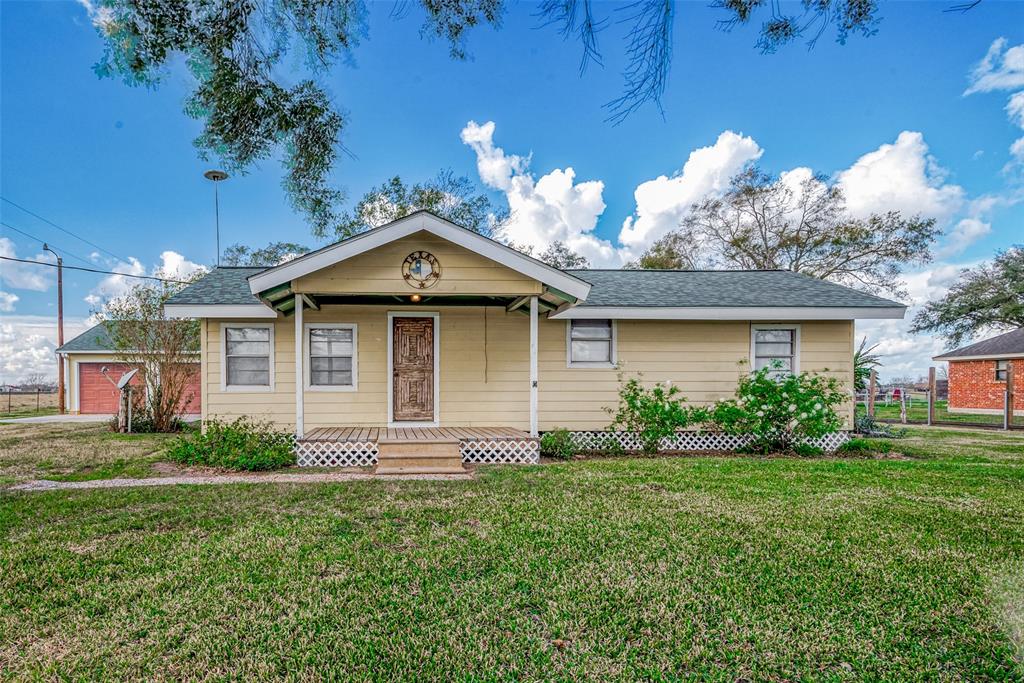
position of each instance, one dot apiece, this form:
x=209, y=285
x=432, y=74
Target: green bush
x=653, y=413
x=780, y=411
x=866, y=447
x=557, y=444
x=239, y=445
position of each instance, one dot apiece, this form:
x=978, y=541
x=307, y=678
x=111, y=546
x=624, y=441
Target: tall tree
x=769, y=222
x=675, y=251
x=253, y=108
x=558, y=255
x=990, y=296
x=452, y=197
x=162, y=349
x=273, y=254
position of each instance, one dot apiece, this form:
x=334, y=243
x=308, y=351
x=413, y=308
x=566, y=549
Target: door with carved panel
x=413, y=370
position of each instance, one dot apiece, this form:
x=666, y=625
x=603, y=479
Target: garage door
x=97, y=394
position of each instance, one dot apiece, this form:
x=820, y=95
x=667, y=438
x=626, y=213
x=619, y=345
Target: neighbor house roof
x=96, y=338
x=1009, y=345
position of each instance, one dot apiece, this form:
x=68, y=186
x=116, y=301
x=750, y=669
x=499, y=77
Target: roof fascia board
x=987, y=356
x=218, y=311
x=404, y=227
x=108, y=352
x=729, y=313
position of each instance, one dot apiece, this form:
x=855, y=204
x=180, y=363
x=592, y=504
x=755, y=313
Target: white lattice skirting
x=689, y=441
x=364, y=453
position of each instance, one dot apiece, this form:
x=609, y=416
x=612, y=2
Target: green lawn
x=917, y=411
x=909, y=567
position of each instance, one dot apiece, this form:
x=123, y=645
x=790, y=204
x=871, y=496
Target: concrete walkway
x=312, y=478
x=38, y=419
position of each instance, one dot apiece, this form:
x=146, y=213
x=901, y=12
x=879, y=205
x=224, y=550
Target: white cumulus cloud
x=554, y=207
x=28, y=344
x=7, y=301
x=172, y=266
x=663, y=201
x=25, y=275
x=900, y=176
x=1001, y=68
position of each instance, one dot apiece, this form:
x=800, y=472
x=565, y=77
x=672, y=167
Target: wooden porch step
x=427, y=456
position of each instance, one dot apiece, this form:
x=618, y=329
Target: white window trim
x=796, y=343
x=1005, y=370
x=437, y=368
x=244, y=388
x=307, y=365
x=570, y=363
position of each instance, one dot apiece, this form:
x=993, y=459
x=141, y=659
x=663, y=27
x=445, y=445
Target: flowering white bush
x=781, y=412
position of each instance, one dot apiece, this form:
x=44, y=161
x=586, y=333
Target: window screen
x=590, y=341
x=247, y=355
x=331, y=352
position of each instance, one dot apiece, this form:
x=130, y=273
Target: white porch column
x=533, y=366
x=299, y=377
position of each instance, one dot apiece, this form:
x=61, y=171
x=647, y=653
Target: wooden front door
x=412, y=372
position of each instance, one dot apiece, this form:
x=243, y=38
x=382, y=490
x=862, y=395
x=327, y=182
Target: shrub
x=780, y=411
x=866, y=447
x=239, y=445
x=865, y=424
x=652, y=414
x=558, y=444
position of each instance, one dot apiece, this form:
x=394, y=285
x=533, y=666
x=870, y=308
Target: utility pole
x=60, y=326
x=216, y=177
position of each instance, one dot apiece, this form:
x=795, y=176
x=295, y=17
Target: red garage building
x=92, y=368
x=977, y=374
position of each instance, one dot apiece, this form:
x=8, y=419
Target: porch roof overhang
x=730, y=313
x=274, y=284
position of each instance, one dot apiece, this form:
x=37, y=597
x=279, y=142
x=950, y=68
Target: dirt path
x=316, y=478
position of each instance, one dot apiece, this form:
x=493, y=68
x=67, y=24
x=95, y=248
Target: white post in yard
x=299, y=377
x=533, y=366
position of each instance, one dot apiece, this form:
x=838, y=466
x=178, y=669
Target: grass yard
x=909, y=567
x=75, y=452
x=917, y=411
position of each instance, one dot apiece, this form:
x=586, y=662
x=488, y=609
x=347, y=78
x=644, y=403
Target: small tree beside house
x=163, y=350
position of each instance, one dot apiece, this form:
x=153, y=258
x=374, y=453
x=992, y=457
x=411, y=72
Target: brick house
x=977, y=374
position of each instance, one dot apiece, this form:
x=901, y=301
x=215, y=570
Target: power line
x=95, y=270
x=44, y=242
x=49, y=222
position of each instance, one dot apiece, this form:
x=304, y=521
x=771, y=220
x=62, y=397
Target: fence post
x=1008, y=397
x=872, y=387
x=903, y=405
x=37, y=399
x=9, y=392
x=931, y=396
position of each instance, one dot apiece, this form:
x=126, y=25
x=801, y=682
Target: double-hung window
x=332, y=357
x=1001, y=367
x=248, y=357
x=776, y=347
x=591, y=343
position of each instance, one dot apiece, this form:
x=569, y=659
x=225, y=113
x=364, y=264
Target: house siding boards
x=380, y=272
x=484, y=368
x=973, y=386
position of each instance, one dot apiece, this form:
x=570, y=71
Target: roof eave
x=982, y=356
x=218, y=311
x=732, y=313
x=408, y=225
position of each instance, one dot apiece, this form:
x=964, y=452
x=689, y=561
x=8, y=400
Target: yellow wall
x=488, y=384
x=380, y=272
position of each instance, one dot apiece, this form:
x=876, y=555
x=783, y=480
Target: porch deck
x=359, y=446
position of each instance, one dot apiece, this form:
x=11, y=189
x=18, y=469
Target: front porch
x=369, y=446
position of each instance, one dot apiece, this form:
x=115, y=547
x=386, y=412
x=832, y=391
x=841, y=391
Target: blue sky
x=117, y=166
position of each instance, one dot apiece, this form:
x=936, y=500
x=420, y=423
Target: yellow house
x=424, y=331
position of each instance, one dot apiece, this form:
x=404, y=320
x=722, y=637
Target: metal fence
x=19, y=401
x=929, y=405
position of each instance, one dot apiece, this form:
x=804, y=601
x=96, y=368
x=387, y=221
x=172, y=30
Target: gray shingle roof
x=1004, y=344
x=689, y=288
x=226, y=285
x=96, y=338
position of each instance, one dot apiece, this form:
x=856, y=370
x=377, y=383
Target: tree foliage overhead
x=273, y=254
x=990, y=296
x=454, y=198
x=557, y=255
x=771, y=223
x=253, y=108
